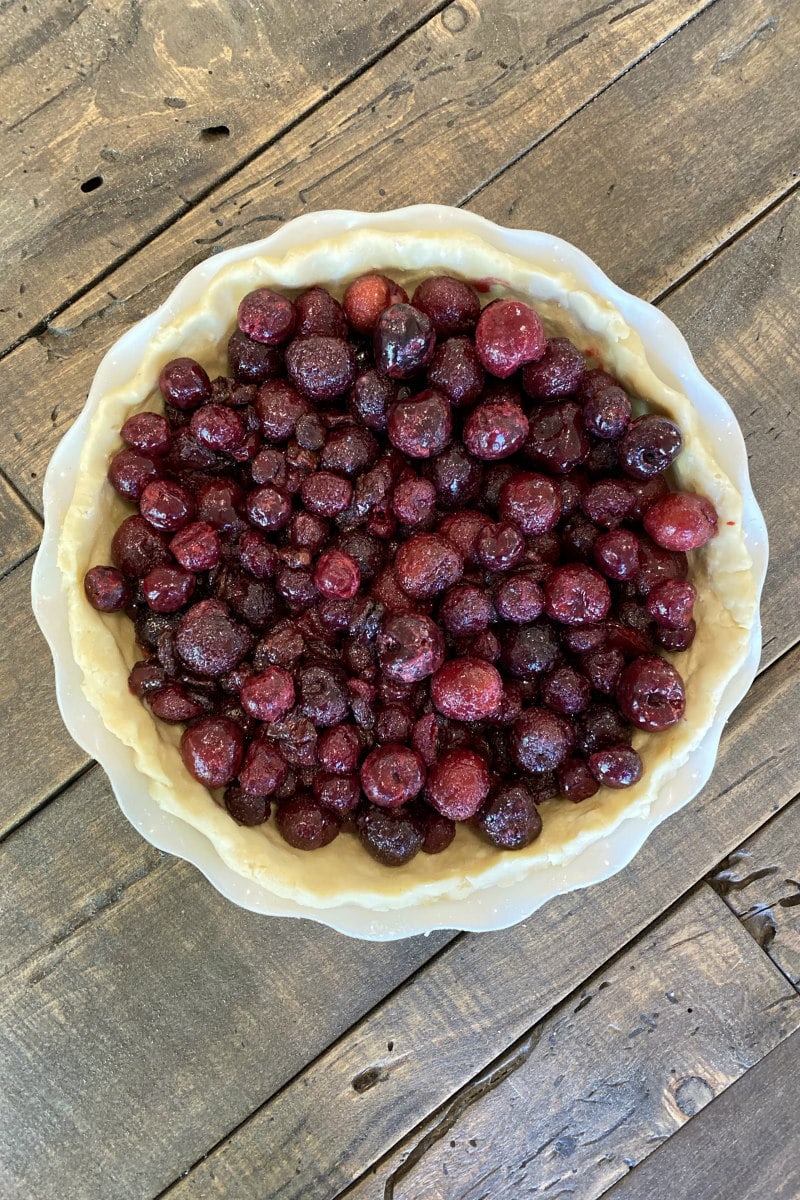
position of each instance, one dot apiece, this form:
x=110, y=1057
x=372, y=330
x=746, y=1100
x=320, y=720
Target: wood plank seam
x=226, y=176
x=42, y=326
x=598, y=966
x=741, y=232
x=503, y=1066
x=727, y=879
x=51, y=796
x=489, y=1077
x=512, y=162
x=8, y=571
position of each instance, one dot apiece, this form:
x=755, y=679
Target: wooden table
x=639, y=1039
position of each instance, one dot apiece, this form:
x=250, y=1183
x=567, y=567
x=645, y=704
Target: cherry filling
x=409, y=564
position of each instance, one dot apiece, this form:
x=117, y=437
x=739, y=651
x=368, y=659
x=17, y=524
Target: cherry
x=269, y=695
x=371, y=397
x=495, y=430
x=510, y=818
x=465, y=609
x=576, y=595
x=458, y=784
x=306, y=824
x=392, y=836
x=320, y=367
x=452, y=305
x=420, y=426
x=616, y=766
x=166, y=505
x=267, y=316
x=136, y=548
x=410, y=647
x=518, y=599
x=531, y=501
x=616, y=554
x=212, y=750
x=467, y=689
x=263, y=770
x=341, y=793
x=130, y=471
x=166, y=589
x=509, y=334
x=557, y=373
x=566, y=691
x=245, y=808
x=455, y=370
x=681, y=521
x=147, y=432
x=650, y=693
x=319, y=314
x=337, y=575
x=427, y=564
x=576, y=781
x=184, y=384
x=209, y=641
x=670, y=603
x=404, y=341
x=392, y=774
x=499, y=547
x=252, y=362
x=649, y=446
x=557, y=440
x=541, y=740
x=196, y=547
x=367, y=297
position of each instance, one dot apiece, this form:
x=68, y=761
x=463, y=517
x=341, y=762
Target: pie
x=340, y=872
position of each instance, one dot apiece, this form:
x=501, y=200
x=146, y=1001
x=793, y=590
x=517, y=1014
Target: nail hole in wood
x=91, y=185
x=214, y=132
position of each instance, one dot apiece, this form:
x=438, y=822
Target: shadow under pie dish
x=471, y=884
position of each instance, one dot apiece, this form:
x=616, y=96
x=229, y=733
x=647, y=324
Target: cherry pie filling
x=408, y=564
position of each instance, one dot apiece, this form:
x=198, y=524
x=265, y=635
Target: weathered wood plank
x=397, y=135
x=726, y=82
x=743, y=1146
x=19, y=528
x=59, y=1005
x=760, y=883
x=592, y=1090
x=37, y=753
x=116, y=117
x=737, y=314
x=132, y=1045
x=77, y=859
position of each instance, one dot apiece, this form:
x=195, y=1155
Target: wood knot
x=692, y=1094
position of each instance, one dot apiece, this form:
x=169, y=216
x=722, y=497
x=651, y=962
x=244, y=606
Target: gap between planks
x=225, y=176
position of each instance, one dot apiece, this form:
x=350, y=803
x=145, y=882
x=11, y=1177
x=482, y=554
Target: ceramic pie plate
x=475, y=888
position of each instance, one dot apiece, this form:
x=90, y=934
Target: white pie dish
x=487, y=907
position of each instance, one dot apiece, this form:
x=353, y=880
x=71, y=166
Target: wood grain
x=453, y=104
x=614, y=1071
x=484, y=992
x=134, y=1042
x=681, y=187
x=76, y=860
x=743, y=1146
x=19, y=528
x=760, y=883
x=117, y=117
x=37, y=753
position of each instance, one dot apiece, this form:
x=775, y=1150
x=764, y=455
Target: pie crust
x=343, y=873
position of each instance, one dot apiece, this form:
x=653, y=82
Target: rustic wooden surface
x=159, y=1041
